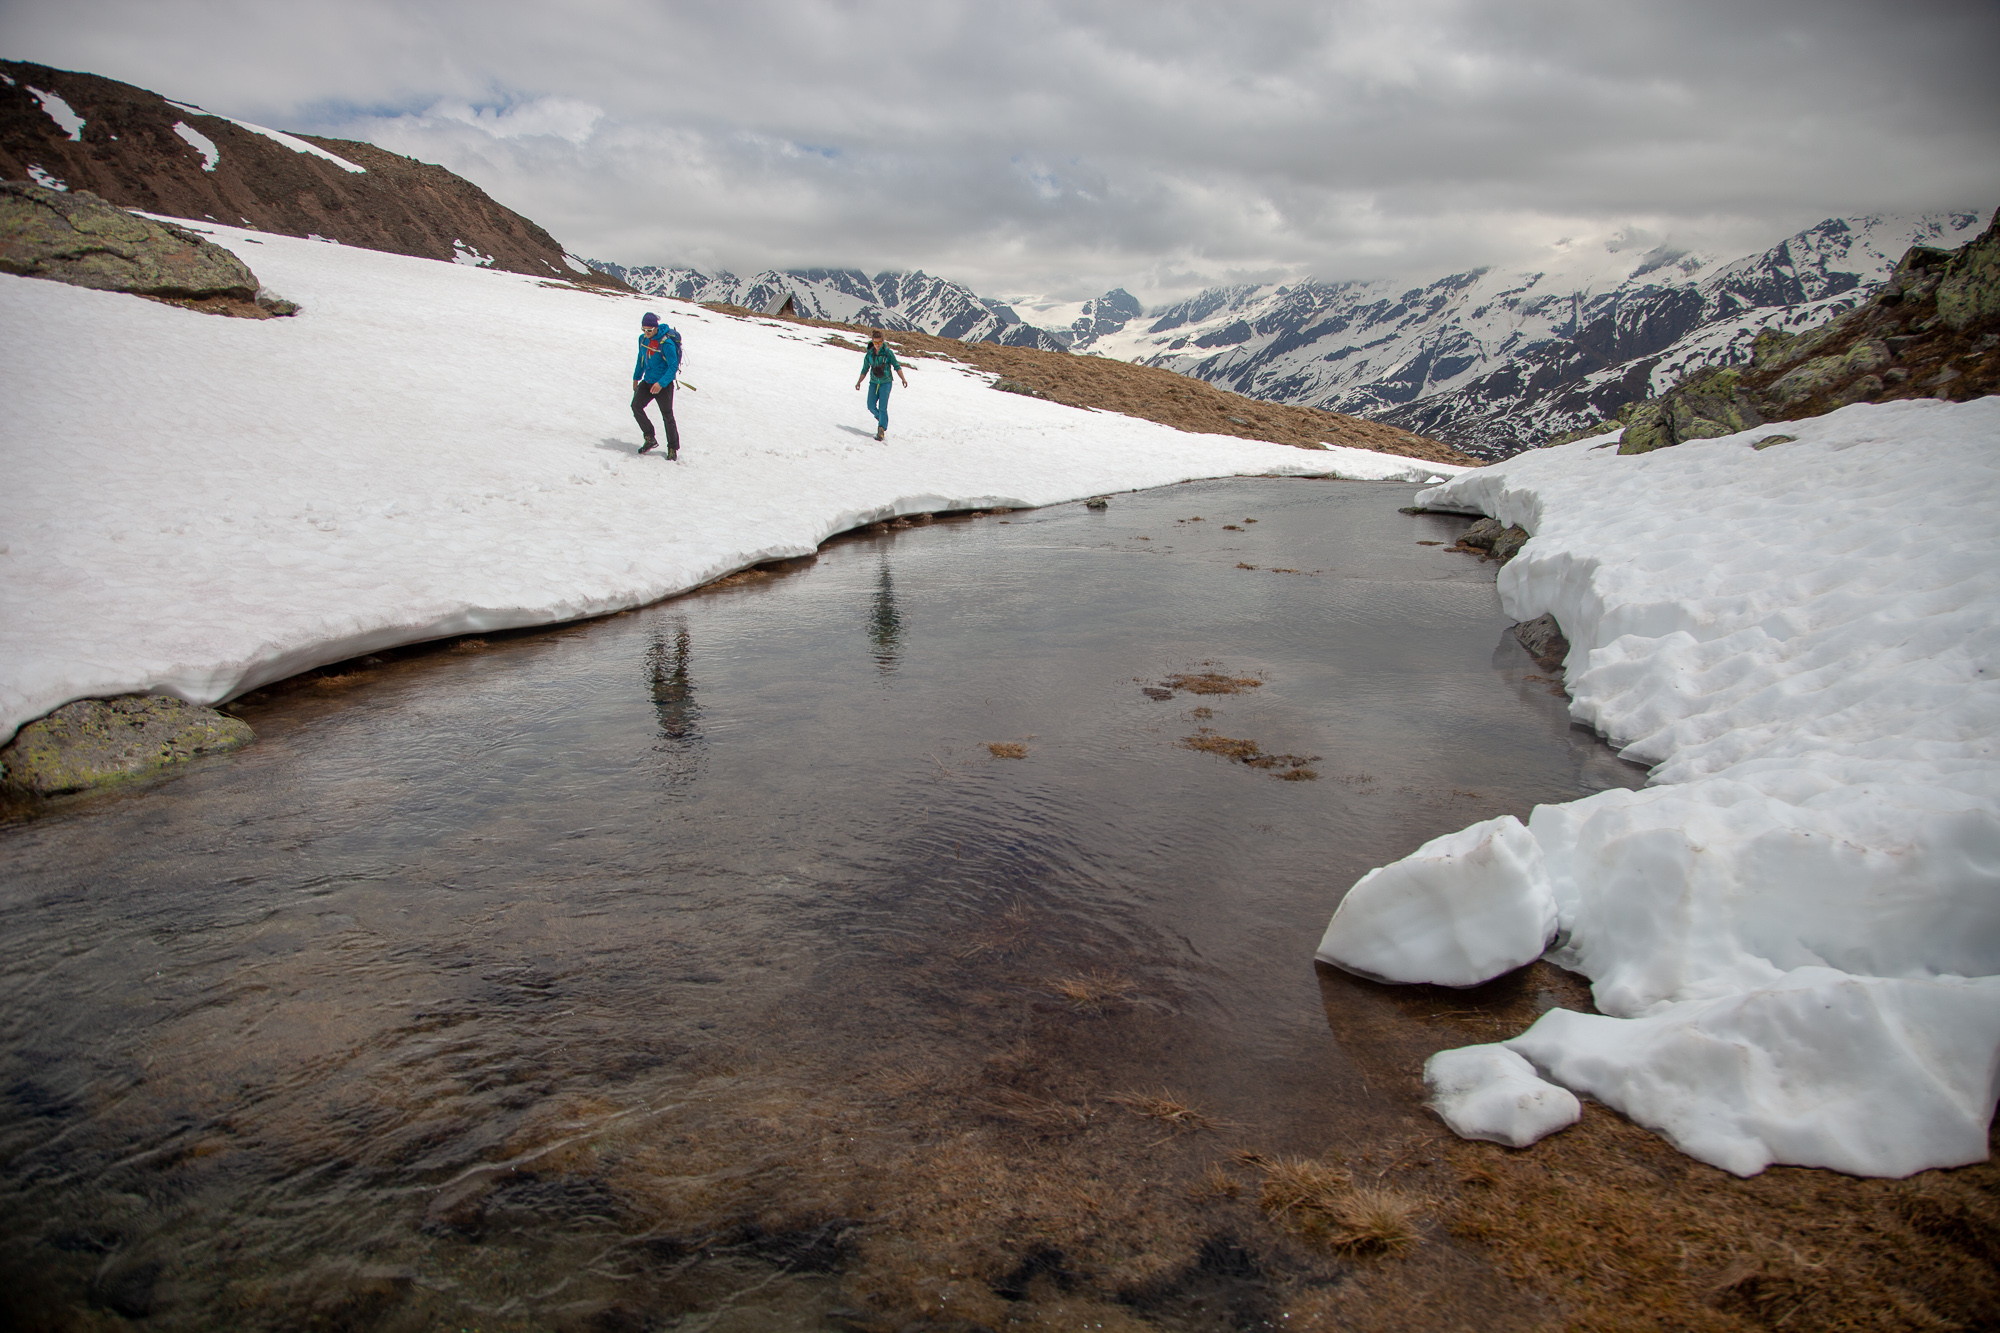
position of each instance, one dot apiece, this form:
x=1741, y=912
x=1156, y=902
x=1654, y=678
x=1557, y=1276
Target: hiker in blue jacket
x=653, y=381
x=876, y=363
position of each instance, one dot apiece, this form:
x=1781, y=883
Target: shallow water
x=702, y=967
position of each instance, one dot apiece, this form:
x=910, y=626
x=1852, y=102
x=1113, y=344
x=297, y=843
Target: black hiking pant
x=665, y=398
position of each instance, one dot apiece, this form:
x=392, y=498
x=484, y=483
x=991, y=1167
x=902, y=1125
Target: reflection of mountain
x=885, y=623
x=669, y=672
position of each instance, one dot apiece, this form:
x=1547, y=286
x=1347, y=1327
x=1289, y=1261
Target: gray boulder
x=1544, y=640
x=1509, y=543
x=99, y=742
x=75, y=237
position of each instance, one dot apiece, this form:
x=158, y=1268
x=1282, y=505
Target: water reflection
x=668, y=669
x=885, y=622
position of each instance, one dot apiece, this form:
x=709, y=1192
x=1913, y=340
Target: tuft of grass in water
x=468, y=645
x=339, y=682
x=1321, y=1201
x=1165, y=1107
x=1007, y=750
x=1215, y=1183
x=1211, y=682
x=1298, y=766
x=1093, y=992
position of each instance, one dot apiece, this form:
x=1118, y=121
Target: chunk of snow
x=461, y=253
x=1459, y=910
x=1866, y=1075
x=576, y=265
x=1805, y=642
x=201, y=143
x=1490, y=1092
x=43, y=179
x=296, y=144
x=460, y=400
x=59, y=111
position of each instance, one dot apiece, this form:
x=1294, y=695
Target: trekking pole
x=685, y=385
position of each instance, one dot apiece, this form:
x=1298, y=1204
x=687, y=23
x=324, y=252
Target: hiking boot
x=880, y=431
x=649, y=446
x=673, y=452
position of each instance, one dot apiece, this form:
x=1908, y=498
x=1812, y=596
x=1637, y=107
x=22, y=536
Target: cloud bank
x=1063, y=148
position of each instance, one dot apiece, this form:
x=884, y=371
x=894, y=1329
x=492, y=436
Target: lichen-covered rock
x=1700, y=408
x=1969, y=292
x=98, y=742
x=76, y=237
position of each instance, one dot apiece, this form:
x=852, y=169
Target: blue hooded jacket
x=659, y=355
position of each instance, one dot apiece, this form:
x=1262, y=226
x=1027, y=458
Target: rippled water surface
x=703, y=966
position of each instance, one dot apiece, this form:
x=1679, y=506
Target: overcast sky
x=1061, y=149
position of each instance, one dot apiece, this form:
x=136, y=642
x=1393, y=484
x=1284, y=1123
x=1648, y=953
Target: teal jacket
x=659, y=356
x=879, y=364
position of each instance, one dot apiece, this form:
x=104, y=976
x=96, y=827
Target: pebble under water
x=859, y=945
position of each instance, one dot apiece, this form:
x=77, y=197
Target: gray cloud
x=1066, y=147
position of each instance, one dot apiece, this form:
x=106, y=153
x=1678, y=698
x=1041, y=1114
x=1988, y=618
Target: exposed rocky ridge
x=77, y=238
x=1931, y=331
x=1149, y=393
x=140, y=151
x=907, y=302
x=1496, y=361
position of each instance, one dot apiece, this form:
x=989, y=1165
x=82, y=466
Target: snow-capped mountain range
x=1488, y=360
x=1496, y=361
x=905, y=301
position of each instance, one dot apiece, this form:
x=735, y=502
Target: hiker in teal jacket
x=876, y=363
x=653, y=381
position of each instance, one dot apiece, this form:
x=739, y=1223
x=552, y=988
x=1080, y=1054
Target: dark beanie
x=649, y=320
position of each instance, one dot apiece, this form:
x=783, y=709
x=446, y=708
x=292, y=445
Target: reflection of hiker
x=653, y=381
x=876, y=363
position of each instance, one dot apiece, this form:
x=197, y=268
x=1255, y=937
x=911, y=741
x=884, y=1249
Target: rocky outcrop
x=1544, y=640
x=1492, y=540
x=138, y=150
x=1931, y=331
x=77, y=238
x=100, y=742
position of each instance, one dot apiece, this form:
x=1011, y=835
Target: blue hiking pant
x=878, y=401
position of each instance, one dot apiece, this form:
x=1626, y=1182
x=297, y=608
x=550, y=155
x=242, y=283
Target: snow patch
x=297, y=145
x=59, y=111
x=575, y=265
x=201, y=143
x=461, y=253
x=1793, y=934
x=43, y=179
x=435, y=418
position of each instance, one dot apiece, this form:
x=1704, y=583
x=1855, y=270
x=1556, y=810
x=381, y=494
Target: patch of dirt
x=1147, y=392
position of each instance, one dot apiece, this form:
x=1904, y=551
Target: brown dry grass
x=468, y=645
x=1149, y=393
x=1168, y=1108
x=1211, y=682
x=1634, y=1236
x=1320, y=1200
x=1007, y=750
x=1297, y=767
x=1094, y=991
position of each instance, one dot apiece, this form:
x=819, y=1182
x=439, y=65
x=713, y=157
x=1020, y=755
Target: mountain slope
x=140, y=150
x=1494, y=361
x=907, y=302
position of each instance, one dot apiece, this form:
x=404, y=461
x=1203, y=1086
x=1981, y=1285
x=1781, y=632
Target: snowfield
x=1793, y=933
x=196, y=506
